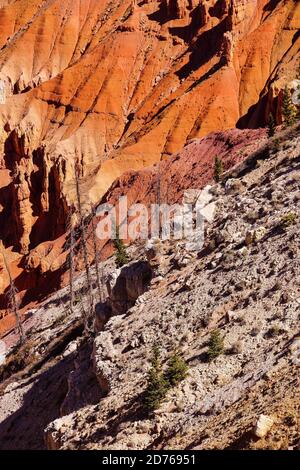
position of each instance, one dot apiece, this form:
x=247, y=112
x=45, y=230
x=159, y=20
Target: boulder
x=263, y=425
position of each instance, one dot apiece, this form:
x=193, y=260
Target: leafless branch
x=13, y=300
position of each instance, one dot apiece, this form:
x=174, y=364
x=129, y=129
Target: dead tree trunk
x=13, y=301
x=84, y=252
x=158, y=200
x=71, y=263
x=96, y=254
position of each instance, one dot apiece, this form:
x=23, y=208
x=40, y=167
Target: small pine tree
x=288, y=109
x=271, y=126
x=276, y=145
x=219, y=169
x=157, y=385
x=177, y=369
x=216, y=345
x=121, y=254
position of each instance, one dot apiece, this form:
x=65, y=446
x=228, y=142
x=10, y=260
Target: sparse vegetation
x=216, y=345
x=271, y=126
x=288, y=109
x=274, y=331
x=159, y=382
x=236, y=348
x=157, y=386
x=16, y=361
x=276, y=145
x=218, y=169
x=288, y=220
x=121, y=254
x=177, y=369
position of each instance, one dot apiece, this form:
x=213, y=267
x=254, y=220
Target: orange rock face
x=118, y=85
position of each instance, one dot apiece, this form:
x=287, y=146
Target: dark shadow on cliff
x=255, y=116
x=37, y=286
x=24, y=429
x=42, y=404
x=130, y=412
x=132, y=282
x=9, y=232
x=204, y=48
x=271, y=5
x=160, y=16
x=208, y=74
x=50, y=224
x=188, y=32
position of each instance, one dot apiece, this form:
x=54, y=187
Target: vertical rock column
x=176, y=9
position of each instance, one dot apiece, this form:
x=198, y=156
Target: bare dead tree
x=84, y=249
x=96, y=254
x=158, y=185
x=158, y=198
x=13, y=301
x=71, y=262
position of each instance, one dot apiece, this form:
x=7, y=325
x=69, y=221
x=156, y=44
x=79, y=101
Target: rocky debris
x=236, y=295
x=127, y=285
x=263, y=426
